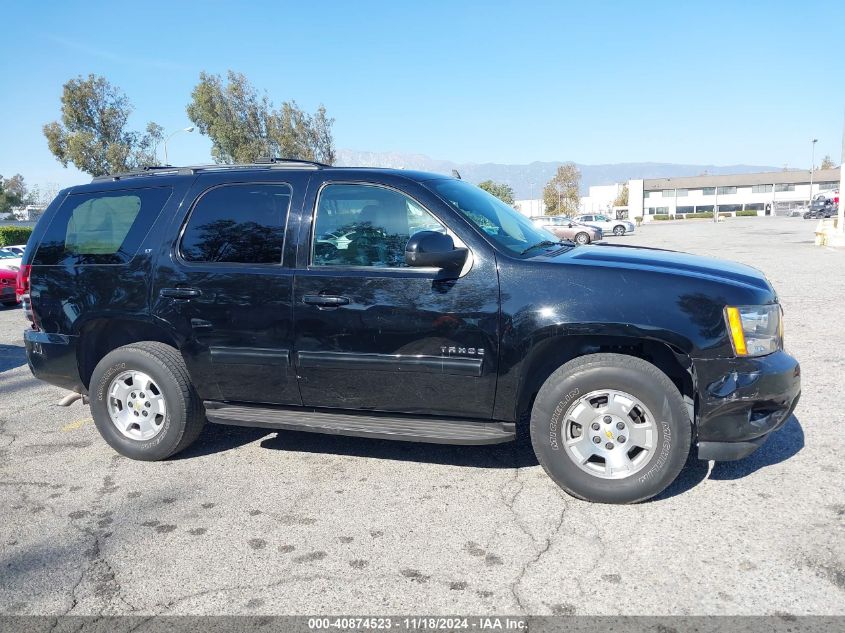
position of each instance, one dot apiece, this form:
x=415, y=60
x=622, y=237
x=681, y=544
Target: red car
x=8, y=279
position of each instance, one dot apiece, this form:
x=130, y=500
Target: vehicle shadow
x=516, y=454
x=217, y=438
x=11, y=356
x=782, y=445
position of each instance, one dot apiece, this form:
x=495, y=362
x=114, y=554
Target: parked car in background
x=7, y=287
x=17, y=249
x=606, y=224
x=9, y=260
x=568, y=229
x=820, y=208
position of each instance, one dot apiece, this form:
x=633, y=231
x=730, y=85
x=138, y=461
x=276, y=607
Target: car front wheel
x=582, y=238
x=610, y=428
x=143, y=403
x=619, y=230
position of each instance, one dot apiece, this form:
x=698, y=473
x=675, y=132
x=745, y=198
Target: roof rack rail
x=272, y=160
x=266, y=163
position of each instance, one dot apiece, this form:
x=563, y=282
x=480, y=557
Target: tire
x=183, y=418
x=571, y=387
x=582, y=238
x=619, y=230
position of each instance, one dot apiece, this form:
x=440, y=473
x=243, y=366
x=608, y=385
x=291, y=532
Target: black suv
x=399, y=305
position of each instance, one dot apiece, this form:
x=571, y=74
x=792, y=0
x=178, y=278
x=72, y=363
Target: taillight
x=22, y=286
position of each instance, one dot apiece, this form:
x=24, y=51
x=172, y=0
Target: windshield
x=8, y=255
x=504, y=225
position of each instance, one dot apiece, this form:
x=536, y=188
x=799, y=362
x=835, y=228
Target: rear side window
x=100, y=228
x=240, y=224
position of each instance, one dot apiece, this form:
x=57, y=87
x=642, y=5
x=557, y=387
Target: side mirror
x=571, y=225
x=430, y=249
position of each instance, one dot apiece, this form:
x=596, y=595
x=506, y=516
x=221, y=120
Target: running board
x=382, y=426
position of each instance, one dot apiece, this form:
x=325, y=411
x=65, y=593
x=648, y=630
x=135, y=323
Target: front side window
x=100, y=228
x=366, y=225
x=239, y=224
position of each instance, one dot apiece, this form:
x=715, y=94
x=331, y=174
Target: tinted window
x=100, y=228
x=240, y=224
x=366, y=225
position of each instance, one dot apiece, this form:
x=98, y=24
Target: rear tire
x=582, y=238
x=182, y=418
x=616, y=469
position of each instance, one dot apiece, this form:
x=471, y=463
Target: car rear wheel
x=143, y=403
x=619, y=230
x=582, y=238
x=610, y=428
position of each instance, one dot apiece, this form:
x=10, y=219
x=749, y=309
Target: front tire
x=634, y=411
x=143, y=403
x=582, y=238
x=619, y=230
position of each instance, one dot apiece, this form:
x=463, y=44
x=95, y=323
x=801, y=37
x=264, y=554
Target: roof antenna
x=455, y=174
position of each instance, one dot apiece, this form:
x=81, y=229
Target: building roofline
x=797, y=176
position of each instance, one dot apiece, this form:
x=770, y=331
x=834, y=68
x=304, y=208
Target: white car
x=9, y=260
x=606, y=224
x=17, y=249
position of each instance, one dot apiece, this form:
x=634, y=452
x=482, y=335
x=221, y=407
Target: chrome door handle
x=180, y=293
x=325, y=301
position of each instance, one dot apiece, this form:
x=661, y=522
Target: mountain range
x=528, y=180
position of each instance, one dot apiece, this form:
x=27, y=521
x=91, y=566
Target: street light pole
x=185, y=129
x=812, y=168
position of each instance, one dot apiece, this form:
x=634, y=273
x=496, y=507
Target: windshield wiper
x=540, y=244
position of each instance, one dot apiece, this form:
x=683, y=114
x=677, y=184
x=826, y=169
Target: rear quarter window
x=101, y=227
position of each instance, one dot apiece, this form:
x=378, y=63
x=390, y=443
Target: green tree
x=622, y=199
x=827, y=163
x=244, y=125
x=499, y=189
x=13, y=193
x=93, y=132
x=561, y=194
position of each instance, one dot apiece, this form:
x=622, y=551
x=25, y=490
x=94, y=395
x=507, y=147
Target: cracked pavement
x=255, y=522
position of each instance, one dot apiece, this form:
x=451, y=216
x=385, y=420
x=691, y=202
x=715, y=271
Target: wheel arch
x=98, y=336
x=555, y=350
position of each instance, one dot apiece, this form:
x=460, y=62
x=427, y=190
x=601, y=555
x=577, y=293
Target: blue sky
x=594, y=82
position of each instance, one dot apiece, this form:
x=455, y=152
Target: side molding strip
x=453, y=366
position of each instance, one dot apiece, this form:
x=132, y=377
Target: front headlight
x=755, y=330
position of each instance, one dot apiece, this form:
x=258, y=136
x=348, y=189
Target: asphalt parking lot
x=254, y=522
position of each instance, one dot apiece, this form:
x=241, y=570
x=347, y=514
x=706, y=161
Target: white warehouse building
x=766, y=193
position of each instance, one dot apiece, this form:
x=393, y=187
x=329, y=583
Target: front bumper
x=742, y=400
x=52, y=358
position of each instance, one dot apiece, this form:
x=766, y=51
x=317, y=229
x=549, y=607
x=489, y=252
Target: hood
x=672, y=262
